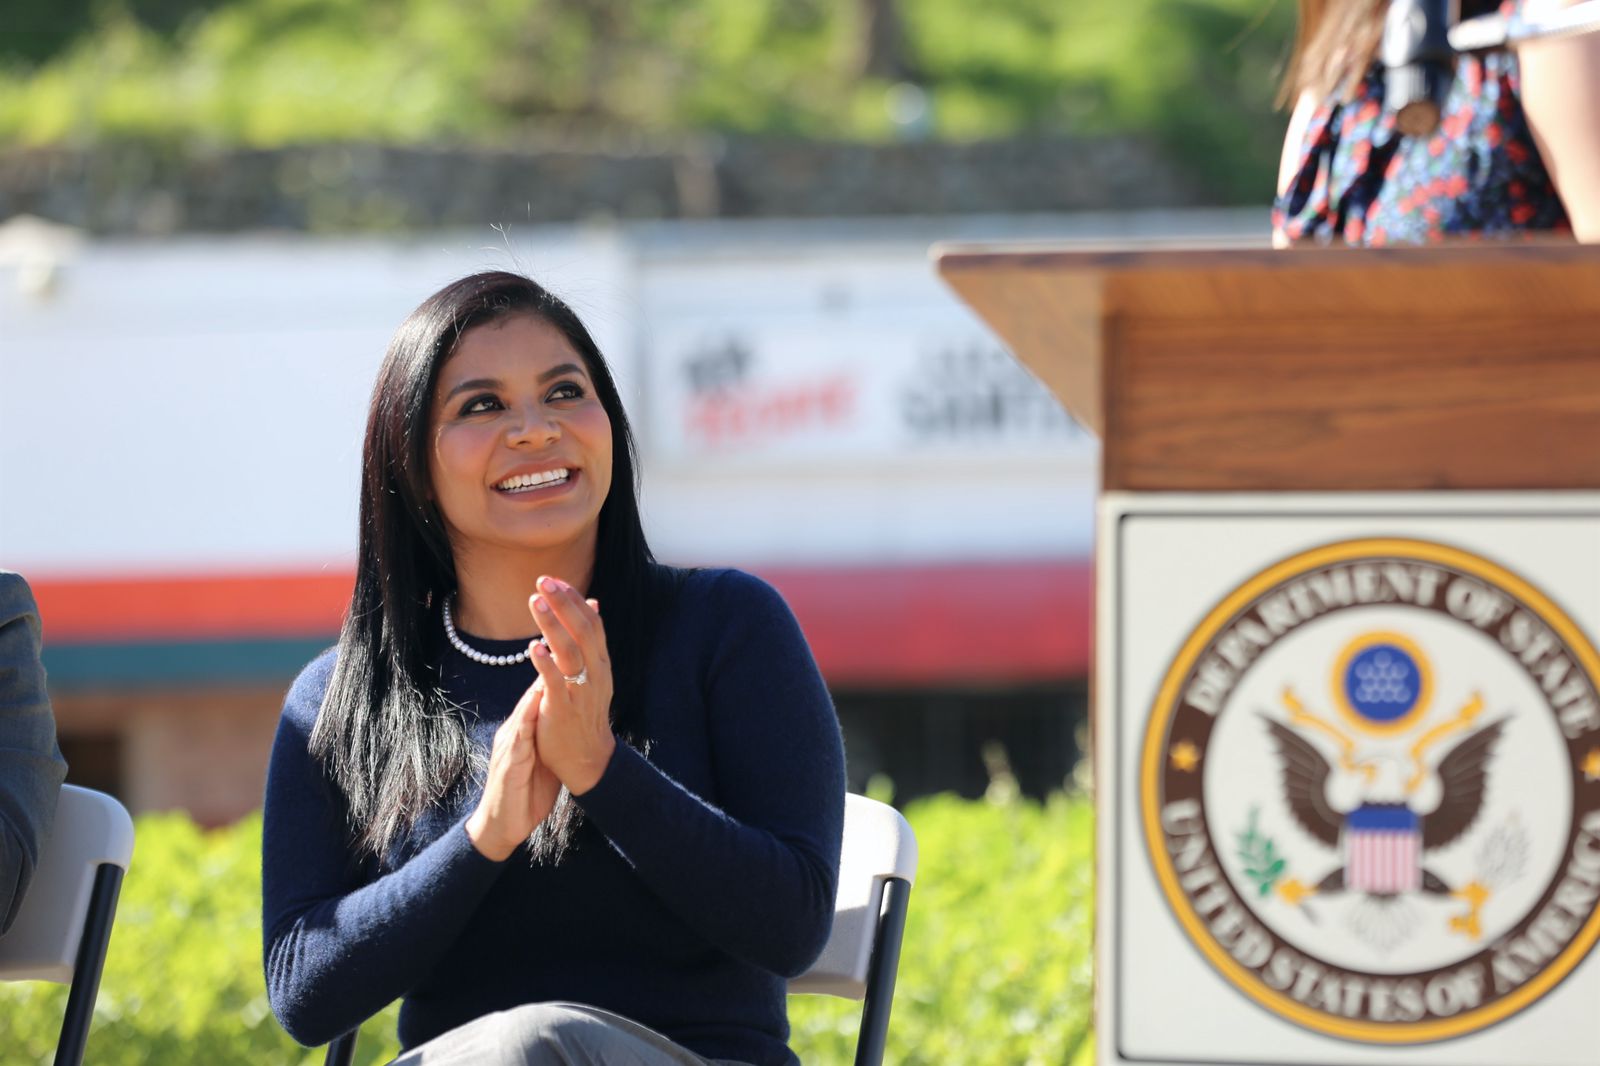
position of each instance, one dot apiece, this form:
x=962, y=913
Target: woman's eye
x=567, y=390
x=479, y=404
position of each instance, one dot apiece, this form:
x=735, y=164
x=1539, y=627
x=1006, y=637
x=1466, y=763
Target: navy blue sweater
x=701, y=876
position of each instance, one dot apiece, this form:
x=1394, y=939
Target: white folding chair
x=62, y=929
x=862, y=956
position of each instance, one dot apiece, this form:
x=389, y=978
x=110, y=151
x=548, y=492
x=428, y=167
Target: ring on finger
x=579, y=678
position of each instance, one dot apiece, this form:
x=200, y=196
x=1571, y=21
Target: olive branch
x=1262, y=863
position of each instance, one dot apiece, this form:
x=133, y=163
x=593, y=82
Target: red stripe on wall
x=945, y=623
x=934, y=624
x=82, y=611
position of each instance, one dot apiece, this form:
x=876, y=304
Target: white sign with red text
x=785, y=377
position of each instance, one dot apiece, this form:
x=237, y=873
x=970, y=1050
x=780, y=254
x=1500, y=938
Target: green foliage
x=995, y=969
x=1262, y=863
x=38, y=30
x=997, y=961
x=183, y=979
x=1197, y=74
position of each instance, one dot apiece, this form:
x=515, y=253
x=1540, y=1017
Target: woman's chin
x=544, y=533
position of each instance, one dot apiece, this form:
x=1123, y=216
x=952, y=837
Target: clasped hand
x=559, y=733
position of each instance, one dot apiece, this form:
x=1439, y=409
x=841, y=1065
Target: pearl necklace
x=473, y=653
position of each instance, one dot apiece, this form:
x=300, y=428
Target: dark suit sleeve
x=31, y=767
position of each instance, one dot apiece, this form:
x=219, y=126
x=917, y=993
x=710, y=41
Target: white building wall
x=803, y=394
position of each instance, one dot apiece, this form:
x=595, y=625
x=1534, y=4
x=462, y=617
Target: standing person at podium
x=1516, y=152
x=567, y=804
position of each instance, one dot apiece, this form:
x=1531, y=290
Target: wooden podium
x=1346, y=715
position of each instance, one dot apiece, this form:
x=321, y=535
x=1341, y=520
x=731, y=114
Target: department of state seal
x=1370, y=789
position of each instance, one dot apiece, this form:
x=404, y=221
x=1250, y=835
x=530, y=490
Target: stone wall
x=353, y=188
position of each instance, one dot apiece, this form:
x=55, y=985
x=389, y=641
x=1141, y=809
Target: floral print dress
x=1361, y=182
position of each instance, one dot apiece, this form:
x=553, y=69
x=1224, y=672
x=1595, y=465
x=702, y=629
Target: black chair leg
x=90, y=962
x=342, y=1050
x=881, y=971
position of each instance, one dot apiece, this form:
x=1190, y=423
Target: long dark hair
x=386, y=735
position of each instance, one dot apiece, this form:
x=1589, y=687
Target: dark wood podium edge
x=1248, y=369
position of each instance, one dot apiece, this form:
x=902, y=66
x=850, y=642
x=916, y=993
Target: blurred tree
x=35, y=30
x=1196, y=74
x=883, y=46
x=168, y=16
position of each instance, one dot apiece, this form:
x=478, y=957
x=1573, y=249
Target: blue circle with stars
x=1382, y=683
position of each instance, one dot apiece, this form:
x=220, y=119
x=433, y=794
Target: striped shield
x=1382, y=849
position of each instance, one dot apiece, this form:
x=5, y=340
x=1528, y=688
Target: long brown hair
x=1337, y=41
x=1334, y=44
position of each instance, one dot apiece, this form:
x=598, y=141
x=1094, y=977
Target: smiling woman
x=520, y=464
x=538, y=827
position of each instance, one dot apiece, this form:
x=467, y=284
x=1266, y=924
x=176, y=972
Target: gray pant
x=552, y=1034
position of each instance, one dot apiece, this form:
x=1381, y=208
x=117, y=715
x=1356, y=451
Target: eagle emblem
x=1383, y=839
x=1370, y=791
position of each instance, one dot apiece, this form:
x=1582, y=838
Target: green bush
x=996, y=966
x=997, y=962
x=183, y=980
